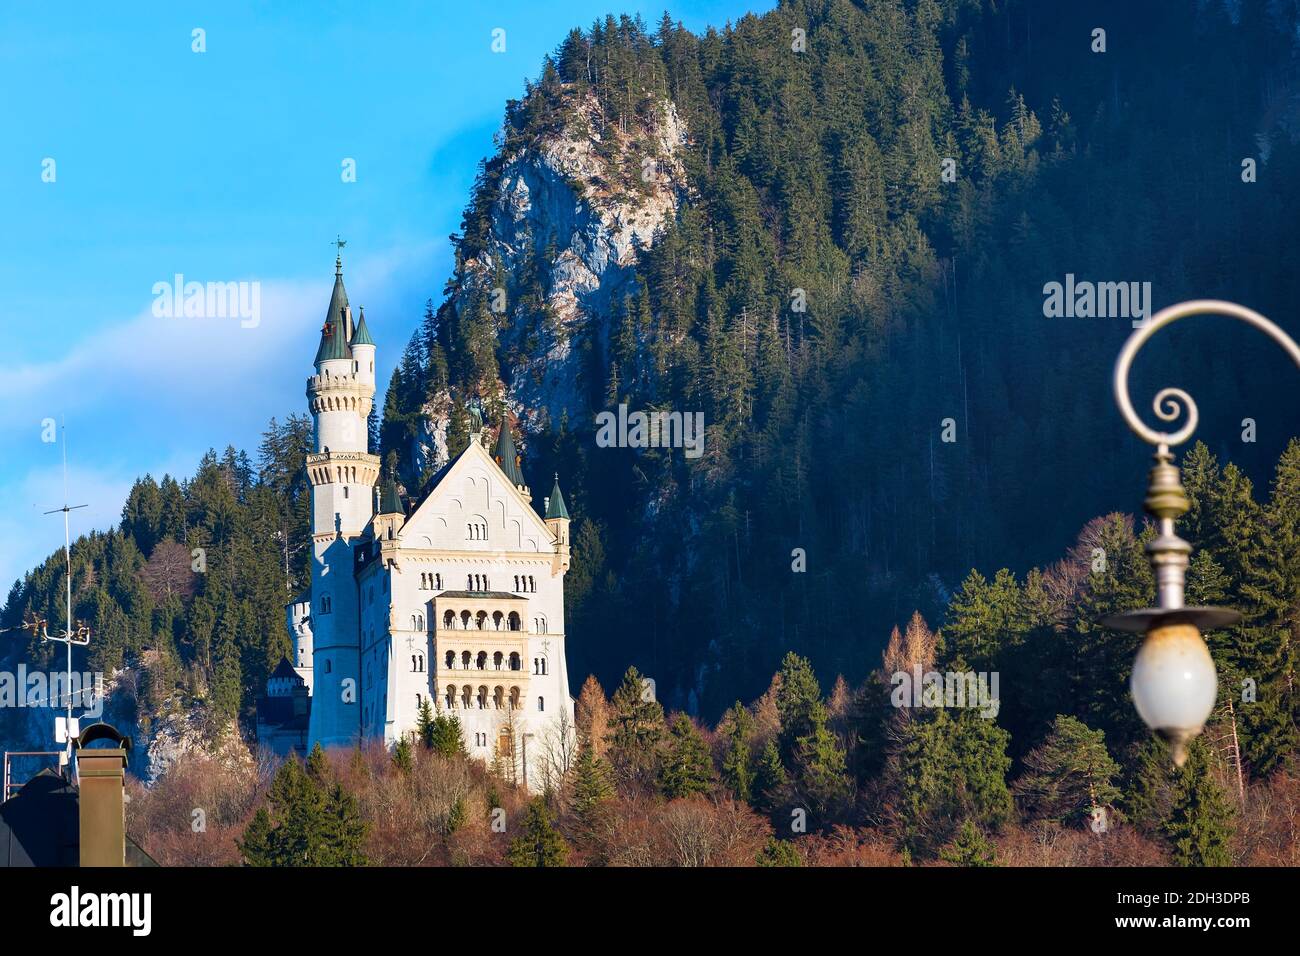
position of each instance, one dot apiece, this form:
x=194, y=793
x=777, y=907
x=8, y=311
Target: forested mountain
x=815, y=287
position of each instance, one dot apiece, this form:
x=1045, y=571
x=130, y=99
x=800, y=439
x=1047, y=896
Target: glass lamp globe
x=1174, y=684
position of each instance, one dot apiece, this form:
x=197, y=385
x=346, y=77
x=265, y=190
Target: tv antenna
x=76, y=633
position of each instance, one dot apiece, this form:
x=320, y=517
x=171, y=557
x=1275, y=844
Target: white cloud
x=149, y=394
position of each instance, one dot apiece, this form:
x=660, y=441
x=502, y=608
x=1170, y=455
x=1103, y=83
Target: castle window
x=466, y=696
x=328, y=665
x=543, y=665
x=514, y=698
x=496, y=660
x=438, y=579
x=516, y=582
x=498, y=698
x=451, y=657
x=451, y=696
x=514, y=623
x=482, y=698
x=419, y=702
x=464, y=659
x=345, y=491
x=482, y=660
x=515, y=663
x=449, y=620
x=541, y=703
x=481, y=620
x=496, y=620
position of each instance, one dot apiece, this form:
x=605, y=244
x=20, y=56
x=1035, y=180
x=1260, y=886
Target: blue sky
x=225, y=166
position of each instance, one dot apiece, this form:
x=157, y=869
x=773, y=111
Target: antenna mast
x=78, y=635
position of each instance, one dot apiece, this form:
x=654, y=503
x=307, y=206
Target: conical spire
x=333, y=334
x=390, y=502
x=506, y=456
x=362, y=335
x=555, y=503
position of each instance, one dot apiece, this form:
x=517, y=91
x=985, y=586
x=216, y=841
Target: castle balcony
x=493, y=612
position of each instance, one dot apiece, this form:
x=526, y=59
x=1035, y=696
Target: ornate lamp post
x=1174, y=684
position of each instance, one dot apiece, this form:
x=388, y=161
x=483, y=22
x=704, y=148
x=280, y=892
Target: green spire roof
x=506, y=456
x=390, y=503
x=555, y=504
x=362, y=335
x=334, y=334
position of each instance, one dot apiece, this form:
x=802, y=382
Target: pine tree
x=591, y=786
x=1200, y=824
x=540, y=844
x=687, y=765
x=635, y=731
x=737, y=769
x=772, y=779
x=446, y=738
x=424, y=724
x=1068, y=774
x=968, y=848
x=403, y=759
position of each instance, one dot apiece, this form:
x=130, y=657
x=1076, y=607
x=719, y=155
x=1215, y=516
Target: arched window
x=482, y=697
x=451, y=659
x=467, y=696
x=541, y=703
x=451, y=696
x=515, y=623
x=496, y=660
x=481, y=620
x=437, y=582
x=469, y=582
x=499, y=697
x=496, y=620
x=516, y=582
x=514, y=661
x=464, y=659
x=464, y=620
x=514, y=698
x=482, y=660
x=543, y=665
x=419, y=702
x=329, y=666
x=449, y=620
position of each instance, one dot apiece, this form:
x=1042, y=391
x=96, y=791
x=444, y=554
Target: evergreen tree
x=1068, y=774
x=1200, y=824
x=540, y=844
x=737, y=769
x=968, y=848
x=687, y=765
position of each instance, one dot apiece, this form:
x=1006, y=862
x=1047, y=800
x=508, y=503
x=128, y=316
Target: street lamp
x=1174, y=684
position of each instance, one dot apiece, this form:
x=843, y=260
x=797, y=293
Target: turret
x=508, y=459
x=557, y=519
x=363, y=351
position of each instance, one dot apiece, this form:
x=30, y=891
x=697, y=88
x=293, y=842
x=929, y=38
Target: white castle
x=459, y=603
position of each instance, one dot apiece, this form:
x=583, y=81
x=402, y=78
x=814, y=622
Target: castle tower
x=557, y=519
x=342, y=474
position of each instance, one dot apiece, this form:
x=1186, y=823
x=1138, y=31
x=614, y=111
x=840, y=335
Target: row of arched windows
x=477, y=582
x=430, y=581
x=466, y=621
x=468, y=698
x=417, y=622
x=525, y=583
x=476, y=530
x=468, y=661
x=417, y=664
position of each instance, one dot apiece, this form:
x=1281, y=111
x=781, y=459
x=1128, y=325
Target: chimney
x=101, y=775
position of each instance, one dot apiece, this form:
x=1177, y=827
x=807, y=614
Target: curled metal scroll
x=1171, y=403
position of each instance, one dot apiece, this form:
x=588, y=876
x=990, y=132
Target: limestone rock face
x=571, y=215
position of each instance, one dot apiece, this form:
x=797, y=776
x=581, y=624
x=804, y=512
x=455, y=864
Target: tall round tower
x=343, y=475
